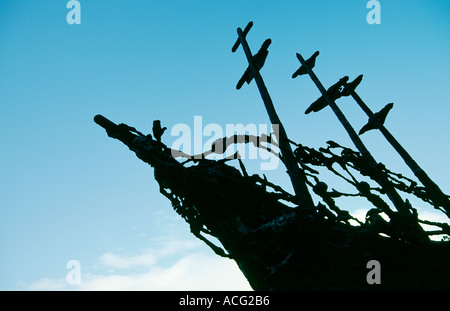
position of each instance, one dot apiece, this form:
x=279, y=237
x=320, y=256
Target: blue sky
x=70, y=192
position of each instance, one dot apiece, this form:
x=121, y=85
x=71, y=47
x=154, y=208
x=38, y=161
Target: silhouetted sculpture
x=333, y=144
x=296, y=175
x=157, y=130
x=351, y=87
x=377, y=119
x=244, y=34
x=303, y=245
x=311, y=62
x=258, y=61
x=334, y=92
x=440, y=200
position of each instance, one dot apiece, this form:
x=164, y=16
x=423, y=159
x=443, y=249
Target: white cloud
x=119, y=262
x=433, y=215
x=169, y=265
x=192, y=269
x=48, y=284
x=196, y=271
x=360, y=214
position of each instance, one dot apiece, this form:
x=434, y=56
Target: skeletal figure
x=157, y=130
x=334, y=92
x=258, y=61
x=350, y=87
x=311, y=62
x=377, y=119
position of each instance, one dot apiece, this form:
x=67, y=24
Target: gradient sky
x=67, y=191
